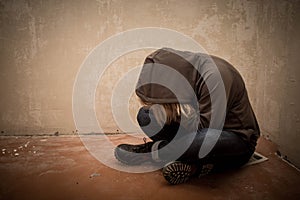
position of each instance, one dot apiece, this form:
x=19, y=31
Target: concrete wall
x=43, y=43
x=278, y=89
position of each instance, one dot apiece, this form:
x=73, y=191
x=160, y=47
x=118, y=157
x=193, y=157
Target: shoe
x=177, y=172
x=134, y=154
x=205, y=170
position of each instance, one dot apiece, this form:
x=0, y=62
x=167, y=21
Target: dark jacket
x=211, y=82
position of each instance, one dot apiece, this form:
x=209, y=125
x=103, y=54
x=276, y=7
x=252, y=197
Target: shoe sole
x=119, y=159
x=134, y=161
x=177, y=172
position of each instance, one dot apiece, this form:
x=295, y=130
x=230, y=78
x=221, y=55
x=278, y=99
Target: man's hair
x=185, y=114
x=170, y=113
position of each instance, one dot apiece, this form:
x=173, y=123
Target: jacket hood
x=170, y=76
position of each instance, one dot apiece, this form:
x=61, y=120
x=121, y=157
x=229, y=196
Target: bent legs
x=229, y=151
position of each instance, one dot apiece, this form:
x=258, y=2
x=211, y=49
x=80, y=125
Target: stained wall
x=43, y=44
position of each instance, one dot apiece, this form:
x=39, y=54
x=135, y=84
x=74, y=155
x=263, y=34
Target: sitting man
x=201, y=124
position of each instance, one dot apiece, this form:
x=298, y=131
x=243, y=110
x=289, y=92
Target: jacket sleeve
x=212, y=101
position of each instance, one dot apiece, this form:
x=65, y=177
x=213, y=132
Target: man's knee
x=143, y=117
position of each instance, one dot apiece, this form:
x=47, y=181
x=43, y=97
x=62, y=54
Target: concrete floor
x=60, y=167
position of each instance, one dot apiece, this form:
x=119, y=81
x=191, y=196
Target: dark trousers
x=229, y=151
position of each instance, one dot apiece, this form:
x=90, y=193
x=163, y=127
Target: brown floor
x=59, y=167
